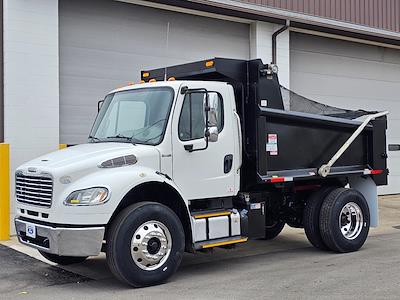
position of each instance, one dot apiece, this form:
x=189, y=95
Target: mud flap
x=367, y=187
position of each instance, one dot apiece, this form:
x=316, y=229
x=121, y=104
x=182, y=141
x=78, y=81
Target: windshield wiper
x=147, y=128
x=118, y=136
x=94, y=139
x=121, y=136
x=155, y=137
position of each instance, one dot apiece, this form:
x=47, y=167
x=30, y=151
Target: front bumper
x=83, y=241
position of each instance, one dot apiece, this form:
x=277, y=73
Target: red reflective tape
x=277, y=179
x=376, y=172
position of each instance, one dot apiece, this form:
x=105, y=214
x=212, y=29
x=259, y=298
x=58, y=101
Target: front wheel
x=63, y=260
x=145, y=244
x=344, y=220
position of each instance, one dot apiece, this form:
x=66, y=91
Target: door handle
x=394, y=147
x=228, y=162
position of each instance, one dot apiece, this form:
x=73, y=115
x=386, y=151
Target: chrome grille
x=34, y=189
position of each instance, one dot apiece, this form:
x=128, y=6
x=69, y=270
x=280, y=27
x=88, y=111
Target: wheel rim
x=151, y=245
x=351, y=221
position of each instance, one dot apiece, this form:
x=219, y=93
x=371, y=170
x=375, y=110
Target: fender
x=147, y=176
x=119, y=182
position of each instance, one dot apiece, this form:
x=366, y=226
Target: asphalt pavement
x=285, y=268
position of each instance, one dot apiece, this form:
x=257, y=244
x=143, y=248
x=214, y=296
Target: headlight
x=92, y=196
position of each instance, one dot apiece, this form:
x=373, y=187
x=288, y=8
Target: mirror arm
x=190, y=147
x=206, y=134
x=99, y=104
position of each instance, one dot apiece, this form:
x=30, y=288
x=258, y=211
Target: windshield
x=137, y=116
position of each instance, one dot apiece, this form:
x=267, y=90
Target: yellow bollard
x=4, y=192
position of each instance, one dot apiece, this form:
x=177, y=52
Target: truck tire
x=344, y=220
x=63, y=260
x=145, y=244
x=273, y=230
x=311, y=216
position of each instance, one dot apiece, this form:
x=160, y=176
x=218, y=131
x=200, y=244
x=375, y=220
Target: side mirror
x=99, y=105
x=212, y=133
x=211, y=116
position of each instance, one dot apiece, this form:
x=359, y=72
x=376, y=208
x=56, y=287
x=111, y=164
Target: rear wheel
x=145, y=244
x=273, y=230
x=311, y=216
x=344, y=220
x=63, y=260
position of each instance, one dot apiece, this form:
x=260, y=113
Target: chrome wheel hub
x=351, y=221
x=151, y=245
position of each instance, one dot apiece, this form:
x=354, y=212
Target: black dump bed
x=286, y=135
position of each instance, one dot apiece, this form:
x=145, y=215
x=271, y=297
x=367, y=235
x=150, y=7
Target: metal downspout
x=274, y=36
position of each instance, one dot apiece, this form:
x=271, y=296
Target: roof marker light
x=209, y=63
x=171, y=79
x=152, y=80
x=146, y=74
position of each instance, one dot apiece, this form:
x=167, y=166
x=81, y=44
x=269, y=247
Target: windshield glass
x=137, y=116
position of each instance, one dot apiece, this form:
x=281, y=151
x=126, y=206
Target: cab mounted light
x=146, y=74
x=171, y=79
x=209, y=64
x=152, y=80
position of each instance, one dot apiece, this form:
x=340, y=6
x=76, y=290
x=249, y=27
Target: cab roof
x=176, y=84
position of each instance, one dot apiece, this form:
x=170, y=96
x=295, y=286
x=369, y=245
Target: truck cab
x=172, y=165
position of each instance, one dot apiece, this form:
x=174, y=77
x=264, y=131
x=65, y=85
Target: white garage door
x=105, y=44
x=350, y=75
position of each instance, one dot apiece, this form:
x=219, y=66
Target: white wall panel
x=31, y=95
x=261, y=47
x=105, y=44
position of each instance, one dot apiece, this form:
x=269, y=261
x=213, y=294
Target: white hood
x=88, y=156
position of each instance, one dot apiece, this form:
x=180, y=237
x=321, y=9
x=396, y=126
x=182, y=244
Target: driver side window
x=192, y=120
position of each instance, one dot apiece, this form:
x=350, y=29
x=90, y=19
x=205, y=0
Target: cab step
x=211, y=214
x=220, y=242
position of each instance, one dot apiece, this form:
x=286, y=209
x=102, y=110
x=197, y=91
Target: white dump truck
x=202, y=155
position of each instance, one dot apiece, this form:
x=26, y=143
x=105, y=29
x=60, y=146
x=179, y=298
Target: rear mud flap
x=367, y=187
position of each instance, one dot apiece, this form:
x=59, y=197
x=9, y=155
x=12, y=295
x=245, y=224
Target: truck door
x=210, y=172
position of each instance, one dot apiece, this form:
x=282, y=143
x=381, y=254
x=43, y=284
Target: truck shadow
x=208, y=262
x=280, y=257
